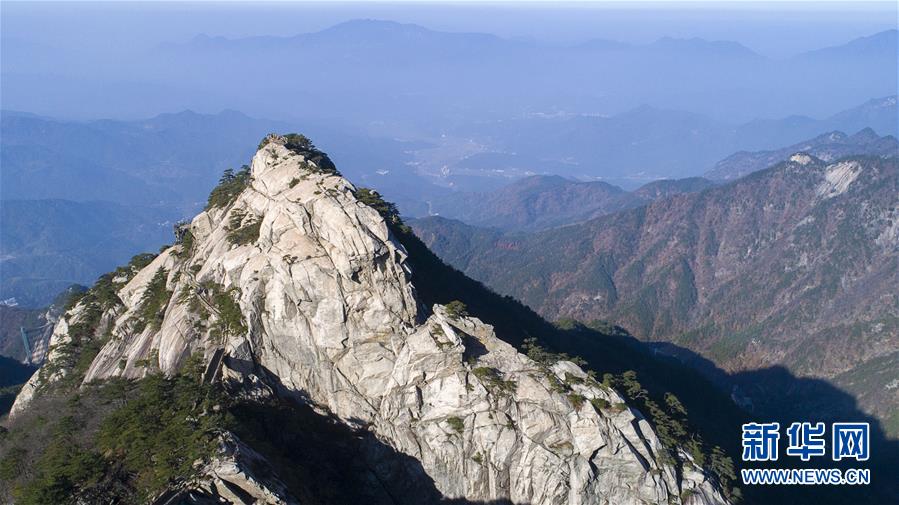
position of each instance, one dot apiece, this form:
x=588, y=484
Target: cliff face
x=294, y=287
x=37, y=325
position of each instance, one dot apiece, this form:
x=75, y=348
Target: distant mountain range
x=65, y=181
x=795, y=265
x=827, y=147
x=135, y=162
x=695, y=72
x=645, y=143
x=169, y=159
x=879, y=114
x=546, y=201
x=536, y=202
x=47, y=245
x=396, y=76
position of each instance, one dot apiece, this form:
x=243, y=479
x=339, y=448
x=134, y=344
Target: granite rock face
x=328, y=315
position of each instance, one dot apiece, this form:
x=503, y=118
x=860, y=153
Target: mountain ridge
x=364, y=27
x=540, y=202
x=827, y=147
x=291, y=284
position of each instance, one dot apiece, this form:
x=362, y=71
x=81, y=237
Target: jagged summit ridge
x=293, y=286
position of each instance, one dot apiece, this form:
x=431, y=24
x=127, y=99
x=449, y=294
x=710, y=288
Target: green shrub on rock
x=456, y=424
x=230, y=185
x=456, y=309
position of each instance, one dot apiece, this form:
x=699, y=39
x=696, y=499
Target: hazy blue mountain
x=878, y=45
x=368, y=37
x=401, y=75
x=169, y=159
x=714, y=50
x=829, y=146
x=47, y=245
x=879, y=114
x=647, y=143
x=431, y=69
x=545, y=201
x=644, y=143
x=534, y=203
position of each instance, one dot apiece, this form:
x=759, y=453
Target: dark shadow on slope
x=323, y=460
x=606, y=352
x=711, y=409
x=474, y=349
x=775, y=394
x=13, y=375
x=14, y=372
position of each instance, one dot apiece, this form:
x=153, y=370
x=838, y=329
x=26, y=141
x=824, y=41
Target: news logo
x=805, y=441
x=850, y=441
x=760, y=441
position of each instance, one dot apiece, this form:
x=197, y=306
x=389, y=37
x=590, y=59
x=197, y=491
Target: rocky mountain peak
x=291, y=284
x=802, y=159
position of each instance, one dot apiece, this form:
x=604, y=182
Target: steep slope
x=37, y=325
x=827, y=147
x=793, y=266
x=291, y=285
x=12, y=319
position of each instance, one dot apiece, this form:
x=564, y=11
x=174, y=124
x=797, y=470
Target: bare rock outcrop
x=327, y=313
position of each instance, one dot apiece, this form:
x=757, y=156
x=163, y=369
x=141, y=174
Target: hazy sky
x=109, y=59
x=775, y=29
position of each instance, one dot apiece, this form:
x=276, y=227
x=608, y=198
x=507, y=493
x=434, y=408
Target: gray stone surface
x=331, y=314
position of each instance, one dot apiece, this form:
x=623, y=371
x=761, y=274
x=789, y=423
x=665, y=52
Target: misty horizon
x=123, y=50
x=459, y=252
